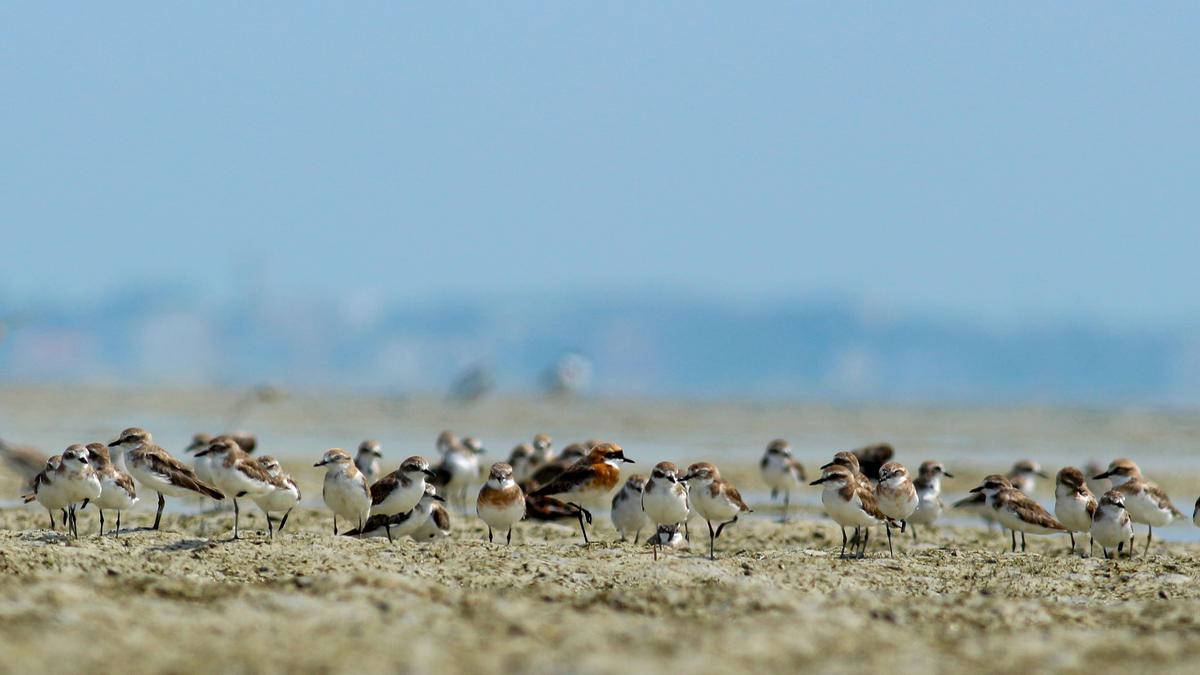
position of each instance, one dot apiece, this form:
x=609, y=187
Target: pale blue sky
x=1000, y=161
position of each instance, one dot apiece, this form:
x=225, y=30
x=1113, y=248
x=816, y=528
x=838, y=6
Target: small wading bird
x=1074, y=503
x=501, y=503
x=849, y=504
x=781, y=472
x=284, y=496
x=929, y=490
x=589, y=482
x=1146, y=502
x=117, y=492
x=367, y=460
x=896, y=496
x=714, y=499
x=627, y=513
x=1111, y=525
x=665, y=501
x=237, y=475
x=345, y=489
x=408, y=523
x=157, y=470
x=51, y=496
x=1017, y=511
x=399, y=491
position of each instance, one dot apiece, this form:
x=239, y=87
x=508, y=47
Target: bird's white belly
x=898, y=507
x=1073, y=513
x=400, y=500
x=846, y=513
x=113, y=496
x=665, y=507
x=1108, y=532
x=502, y=517
x=713, y=509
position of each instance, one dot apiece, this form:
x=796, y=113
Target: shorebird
x=459, y=467
x=436, y=526
x=1024, y=475
x=781, y=472
x=237, y=475
x=345, y=489
x=849, y=504
x=521, y=460
x=367, y=460
x=589, y=482
x=1146, y=502
x=401, y=524
x=848, y=460
x=714, y=498
x=665, y=500
x=201, y=464
x=896, y=496
x=627, y=513
x=871, y=459
x=1016, y=510
x=929, y=490
x=1074, y=503
x=553, y=468
x=1097, y=486
x=543, y=450
x=117, y=492
x=77, y=480
x=1111, y=525
x=399, y=491
x=501, y=503
x=51, y=496
x=156, y=469
x=284, y=496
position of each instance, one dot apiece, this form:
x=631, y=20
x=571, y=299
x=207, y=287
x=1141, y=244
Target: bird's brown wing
x=1028, y=510
x=177, y=473
x=1161, y=497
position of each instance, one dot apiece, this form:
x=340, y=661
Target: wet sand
x=777, y=598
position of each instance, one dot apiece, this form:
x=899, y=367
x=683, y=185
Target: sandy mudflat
x=777, y=598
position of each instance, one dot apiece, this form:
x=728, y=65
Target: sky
x=1004, y=162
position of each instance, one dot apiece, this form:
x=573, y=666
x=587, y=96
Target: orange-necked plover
x=1111, y=525
x=1017, y=511
x=714, y=499
x=284, y=496
x=436, y=526
x=367, y=460
x=501, y=503
x=1074, y=503
x=51, y=496
x=896, y=496
x=117, y=492
x=345, y=489
x=781, y=472
x=590, y=482
x=459, y=466
x=156, y=469
x=627, y=514
x=665, y=500
x=849, y=504
x=399, y=491
x=1146, y=502
x=237, y=475
x=929, y=495
x=401, y=524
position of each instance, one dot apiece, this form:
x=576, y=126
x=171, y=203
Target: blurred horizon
x=931, y=203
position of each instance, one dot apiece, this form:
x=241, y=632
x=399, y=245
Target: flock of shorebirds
x=860, y=489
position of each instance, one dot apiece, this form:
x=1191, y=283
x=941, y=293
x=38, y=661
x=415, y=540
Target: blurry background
x=919, y=204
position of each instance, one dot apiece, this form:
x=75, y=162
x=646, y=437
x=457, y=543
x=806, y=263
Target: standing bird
x=714, y=498
x=1074, y=503
x=117, y=492
x=78, y=481
x=627, y=513
x=237, y=475
x=156, y=469
x=345, y=489
x=849, y=504
x=501, y=503
x=521, y=461
x=543, y=450
x=367, y=460
x=1146, y=502
x=459, y=467
x=590, y=482
x=1024, y=475
x=896, y=496
x=781, y=472
x=929, y=490
x=284, y=496
x=401, y=490
x=50, y=495
x=1111, y=525
x=665, y=501
x=1016, y=510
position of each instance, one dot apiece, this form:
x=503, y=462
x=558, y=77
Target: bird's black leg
x=270, y=525
x=117, y=532
x=1072, y=541
x=283, y=521
x=489, y=534
x=903, y=524
x=1014, y=539
x=335, y=524
x=1022, y=541
x=508, y=539
x=1149, y=536
x=722, y=525
x=387, y=526
x=101, y=532
x=712, y=539
x=158, y=515
x=913, y=529
x=237, y=515
x=888, y=526
x=862, y=552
